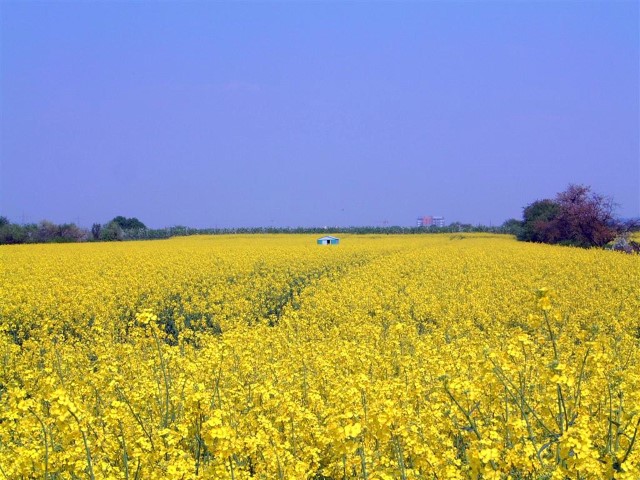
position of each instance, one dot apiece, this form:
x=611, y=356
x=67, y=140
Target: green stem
x=125, y=457
x=562, y=411
x=472, y=423
x=198, y=441
x=137, y=475
x=608, y=448
x=400, y=457
x=363, y=461
x=135, y=415
x=507, y=441
x=551, y=336
x=86, y=445
x=633, y=440
x=165, y=421
x=46, y=446
x=504, y=380
x=579, y=387
x=293, y=437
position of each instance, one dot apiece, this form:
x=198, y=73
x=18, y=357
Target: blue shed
x=328, y=240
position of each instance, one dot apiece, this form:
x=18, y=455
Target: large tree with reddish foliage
x=578, y=216
x=585, y=218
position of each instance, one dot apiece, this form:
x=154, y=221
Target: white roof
x=328, y=237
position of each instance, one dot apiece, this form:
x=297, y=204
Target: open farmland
x=411, y=357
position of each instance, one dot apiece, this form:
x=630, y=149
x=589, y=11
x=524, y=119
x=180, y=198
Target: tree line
x=119, y=228
x=577, y=217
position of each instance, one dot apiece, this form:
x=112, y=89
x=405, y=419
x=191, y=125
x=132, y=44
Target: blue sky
x=236, y=114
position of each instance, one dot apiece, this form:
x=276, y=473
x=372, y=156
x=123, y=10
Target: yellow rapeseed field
x=270, y=357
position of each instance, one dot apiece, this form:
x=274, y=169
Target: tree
x=128, y=223
x=578, y=216
x=111, y=231
x=537, y=222
x=11, y=233
x=631, y=225
x=70, y=232
x=512, y=226
x=50, y=232
x=47, y=232
x=95, y=231
x=585, y=218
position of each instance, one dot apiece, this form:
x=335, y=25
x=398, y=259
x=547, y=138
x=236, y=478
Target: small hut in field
x=328, y=240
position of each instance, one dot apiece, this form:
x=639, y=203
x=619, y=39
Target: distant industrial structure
x=430, y=221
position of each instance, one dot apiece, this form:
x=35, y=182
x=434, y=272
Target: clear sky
x=235, y=114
